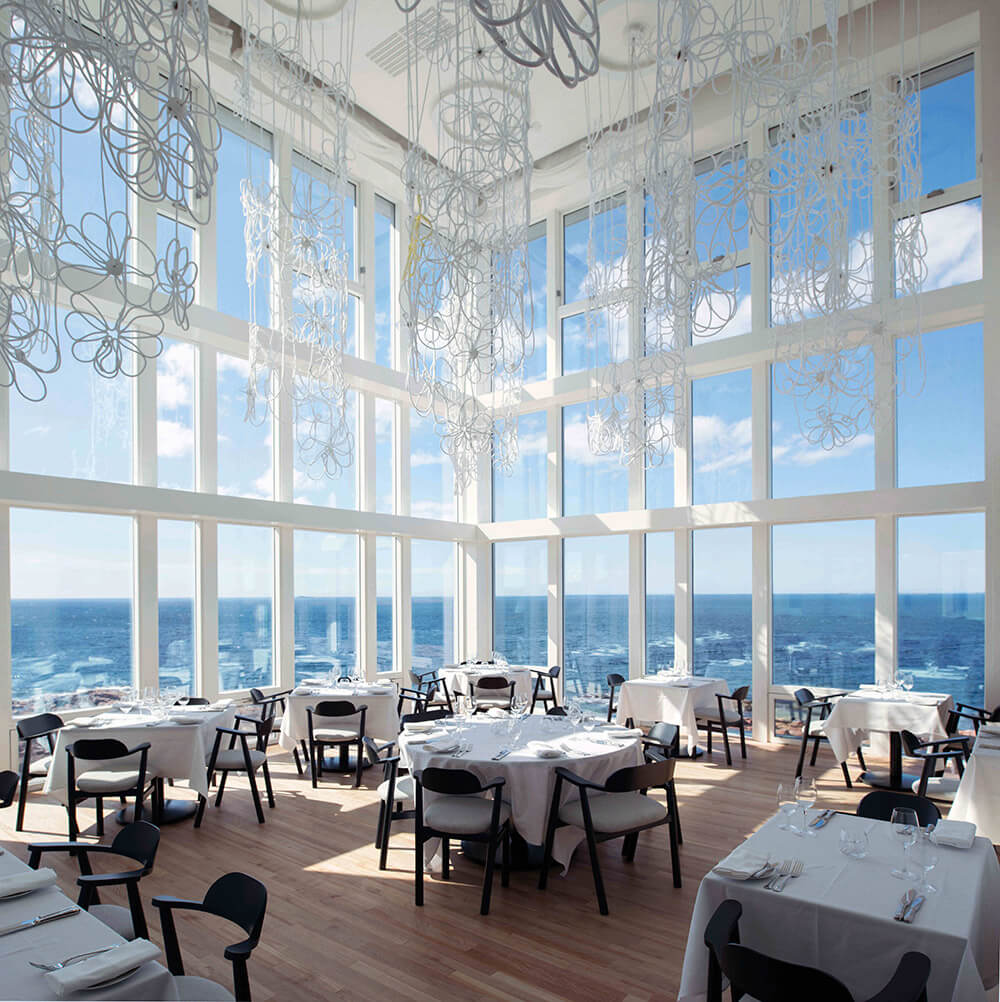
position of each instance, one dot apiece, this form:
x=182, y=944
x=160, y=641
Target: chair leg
x=743, y=738
x=629, y=844
x=74, y=829
x=505, y=859
x=222, y=787
x=200, y=813
x=380, y=824
x=815, y=751
x=674, y=812
x=675, y=859
x=725, y=741
x=267, y=784
x=847, y=775
x=22, y=793
x=359, y=766
x=803, y=746
x=418, y=868
x=313, y=763
x=255, y=793
x=298, y=761
x=708, y=737
x=383, y=859
x=595, y=866
x=491, y=860
x=861, y=761
x=446, y=859
x=99, y=801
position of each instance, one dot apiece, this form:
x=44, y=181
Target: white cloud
x=954, y=238
x=38, y=430
x=719, y=444
x=426, y=459
x=797, y=452
x=444, y=510
x=230, y=363
x=175, y=377
x=173, y=439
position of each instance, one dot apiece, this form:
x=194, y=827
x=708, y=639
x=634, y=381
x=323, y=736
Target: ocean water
x=79, y=652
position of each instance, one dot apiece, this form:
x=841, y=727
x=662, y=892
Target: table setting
x=381, y=720
x=850, y=895
x=524, y=750
x=51, y=948
x=460, y=678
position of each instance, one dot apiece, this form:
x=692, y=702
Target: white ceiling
x=558, y=113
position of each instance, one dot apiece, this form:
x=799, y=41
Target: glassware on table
x=787, y=805
x=806, y=795
x=907, y=681
x=906, y=828
x=589, y=722
x=854, y=842
x=925, y=858
x=574, y=712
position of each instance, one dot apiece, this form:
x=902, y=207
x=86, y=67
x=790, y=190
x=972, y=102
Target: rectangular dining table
x=381, y=718
x=838, y=915
x=977, y=798
x=671, y=698
x=62, y=938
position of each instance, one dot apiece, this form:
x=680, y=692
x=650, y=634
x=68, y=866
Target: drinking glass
x=589, y=722
x=906, y=680
x=854, y=842
x=905, y=827
x=787, y=805
x=925, y=856
x=575, y=713
x=805, y=796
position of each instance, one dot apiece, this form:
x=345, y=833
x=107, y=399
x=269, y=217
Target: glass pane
x=604, y=341
x=534, y=364
x=948, y=129
x=722, y=437
x=824, y=605
x=175, y=441
x=721, y=217
x=800, y=467
x=432, y=477
x=659, y=480
x=723, y=623
x=312, y=484
x=725, y=309
x=520, y=602
x=239, y=159
x=245, y=464
x=246, y=589
x=432, y=608
x=71, y=609
x=385, y=601
x=385, y=436
x=82, y=428
x=659, y=601
x=576, y=237
x=942, y=571
x=590, y=483
x=954, y=236
x=595, y=616
x=523, y=493
x=385, y=227
x=168, y=230
x=939, y=420
x=176, y=550
x=326, y=604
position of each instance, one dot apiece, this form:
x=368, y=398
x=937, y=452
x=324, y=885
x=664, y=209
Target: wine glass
x=575, y=713
x=906, y=680
x=787, y=805
x=805, y=796
x=925, y=856
x=905, y=827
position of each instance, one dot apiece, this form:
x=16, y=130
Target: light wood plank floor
x=337, y=928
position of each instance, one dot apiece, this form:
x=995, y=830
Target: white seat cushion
x=232, y=758
x=502, y=702
x=335, y=734
x=940, y=787
x=462, y=815
x=107, y=780
x=614, y=812
x=40, y=766
x=712, y=713
x=115, y=917
x=403, y=792
x=191, y=989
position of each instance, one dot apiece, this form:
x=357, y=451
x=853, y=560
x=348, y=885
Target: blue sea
x=79, y=652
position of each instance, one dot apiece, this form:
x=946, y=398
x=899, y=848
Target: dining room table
x=116, y=967
x=381, y=718
x=670, y=697
x=525, y=752
x=838, y=914
x=461, y=678
x=180, y=741
x=870, y=710
x=977, y=798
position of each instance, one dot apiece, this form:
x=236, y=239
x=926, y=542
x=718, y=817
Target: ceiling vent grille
x=423, y=32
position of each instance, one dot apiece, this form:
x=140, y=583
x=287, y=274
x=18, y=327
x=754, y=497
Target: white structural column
x=146, y=643
x=760, y=604
x=207, y=605
x=636, y=604
x=8, y=748
x=683, y=640
x=284, y=608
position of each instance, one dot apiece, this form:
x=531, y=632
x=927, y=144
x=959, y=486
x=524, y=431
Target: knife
x=904, y=904
x=822, y=819
x=39, y=920
x=915, y=905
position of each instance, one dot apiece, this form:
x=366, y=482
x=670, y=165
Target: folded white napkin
x=740, y=864
x=416, y=726
x=442, y=747
x=185, y=718
x=495, y=712
x=958, y=834
x=380, y=690
x=103, y=967
x=625, y=732
x=548, y=752
x=30, y=880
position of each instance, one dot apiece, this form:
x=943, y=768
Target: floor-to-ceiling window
x=432, y=603
x=176, y=614
x=520, y=601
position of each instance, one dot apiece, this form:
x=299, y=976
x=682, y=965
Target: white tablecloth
x=381, y=720
x=838, y=915
x=672, y=700
x=530, y=779
x=177, y=751
x=55, y=941
x=858, y=714
x=458, y=678
x=978, y=796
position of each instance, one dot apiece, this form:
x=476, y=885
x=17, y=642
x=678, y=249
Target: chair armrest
x=363, y=708
x=388, y=746
x=235, y=731
x=56, y=730
x=978, y=710
x=165, y=901
x=279, y=695
x=66, y=847
x=572, y=777
x=909, y=981
x=109, y=879
x=247, y=720
x=239, y=951
x=141, y=747
x=963, y=741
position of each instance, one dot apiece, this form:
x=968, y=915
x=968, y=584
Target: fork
x=75, y=959
x=781, y=871
x=796, y=871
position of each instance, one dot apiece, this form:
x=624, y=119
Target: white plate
x=107, y=983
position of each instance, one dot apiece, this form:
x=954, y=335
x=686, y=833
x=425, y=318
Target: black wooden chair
x=248, y=757
x=240, y=899
x=615, y=682
x=433, y=690
x=545, y=690
x=137, y=841
x=396, y=795
x=8, y=787
x=661, y=743
x=769, y=980
x=976, y=715
x=491, y=692
x=934, y=756
x=556, y=711
x=817, y=709
x=118, y=771
x=879, y=805
x=191, y=701
x=42, y=727
x=275, y=708
x=619, y=808
x=332, y=722
x=425, y=717
x=721, y=716
x=460, y=811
